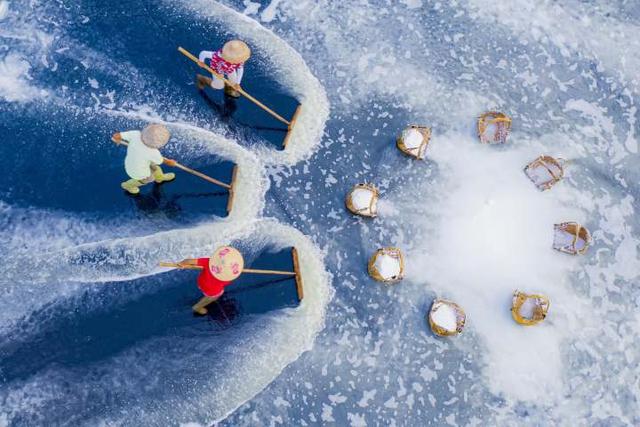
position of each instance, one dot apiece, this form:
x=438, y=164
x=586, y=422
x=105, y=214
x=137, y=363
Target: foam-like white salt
x=387, y=266
x=413, y=138
x=361, y=198
x=14, y=86
x=444, y=316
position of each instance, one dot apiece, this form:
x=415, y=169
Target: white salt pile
x=444, y=315
x=361, y=198
x=528, y=308
x=412, y=138
x=388, y=266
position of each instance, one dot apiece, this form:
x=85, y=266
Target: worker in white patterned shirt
x=228, y=62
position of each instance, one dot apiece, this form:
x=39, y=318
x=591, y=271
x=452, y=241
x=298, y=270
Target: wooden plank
x=293, y=123
x=232, y=189
x=296, y=268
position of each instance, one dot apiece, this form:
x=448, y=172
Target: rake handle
x=245, y=270
x=186, y=169
x=203, y=176
x=180, y=266
x=256, y=271
x=239, y=89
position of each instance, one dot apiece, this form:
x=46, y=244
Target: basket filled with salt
x=446, y=318
x=545, y=172
x=493, y=127
x=414, y=141
x=387, y=265
x=362, y=200
x=529, y=309
x=571, y=238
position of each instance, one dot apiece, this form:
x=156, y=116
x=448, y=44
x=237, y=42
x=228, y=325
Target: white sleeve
x=129, y=135
x=205, y=54
x=239, y=73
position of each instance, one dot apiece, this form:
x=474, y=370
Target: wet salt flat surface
x=472, y=227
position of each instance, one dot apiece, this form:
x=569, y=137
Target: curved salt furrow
x=289, y=69
x=260, y=356
x=69, y=262
x=283, y=62
x=251, y=184
x=254, y=354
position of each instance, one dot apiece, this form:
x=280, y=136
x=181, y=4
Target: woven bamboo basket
x=461, y=318
x=415, y=152
x=371, y=210
x=502, y=125
x=539, y=312
x=551, y=167
x=393, y=253
x=580, y=241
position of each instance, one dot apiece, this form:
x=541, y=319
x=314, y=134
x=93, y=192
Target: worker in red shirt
x=218, y=271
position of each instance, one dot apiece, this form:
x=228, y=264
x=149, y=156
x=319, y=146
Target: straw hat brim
x=235, y=52
x=155, y=136
x=226, y=263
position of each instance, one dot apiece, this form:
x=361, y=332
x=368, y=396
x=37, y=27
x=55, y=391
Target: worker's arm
x=205, y=54
x=116, y=137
